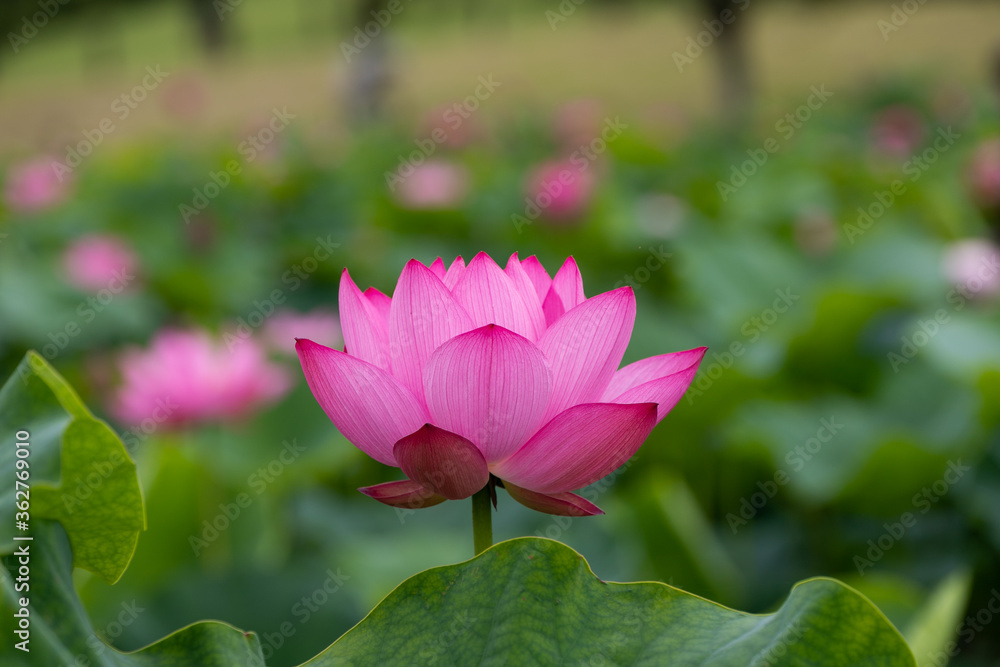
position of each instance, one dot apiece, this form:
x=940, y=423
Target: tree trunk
x=210, y=28
x=369, y=74
x=735, y=90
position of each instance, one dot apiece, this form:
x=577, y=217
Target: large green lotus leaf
x=61, y=633
x=80, y=472
x=532, y=601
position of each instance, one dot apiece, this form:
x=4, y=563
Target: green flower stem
x=482, y=520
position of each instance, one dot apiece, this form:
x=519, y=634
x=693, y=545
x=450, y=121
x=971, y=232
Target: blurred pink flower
x=96, y=262
x=34, y=186
x=561, y=190
x=319, y=325
x=476, y=371
x=436, y=184
x=897, y=131
x=984, y=174
x=187, y=376
x=973, y=265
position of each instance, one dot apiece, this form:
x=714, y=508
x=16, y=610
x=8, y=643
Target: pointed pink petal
x=381, y=303
x=490, y=386
x=665, y=391
x=489, y=297
x=552, y=308
x=455, y=272
x=446, y=463
x=365, y=334
x=652, y=368
x=437, y=268
x=563, y=504
x=538, y=275
x=526, y=290
x=367, y=404
x=568, y=283
x=423, y=315
x=405, y=493
x=579, y=447
x=585, y=346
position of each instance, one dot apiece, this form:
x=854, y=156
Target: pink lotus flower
x=973, y=265
x=285, y=326
x=98, y=262
x=435, y=184
x=187, y=376
x=34, y=186
x=476, y=371
x=561, y=190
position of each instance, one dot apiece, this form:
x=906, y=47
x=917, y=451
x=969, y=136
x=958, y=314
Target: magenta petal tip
x=406, y=494
x=561, y=504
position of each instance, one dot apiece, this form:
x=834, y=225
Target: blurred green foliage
x=801, y=316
